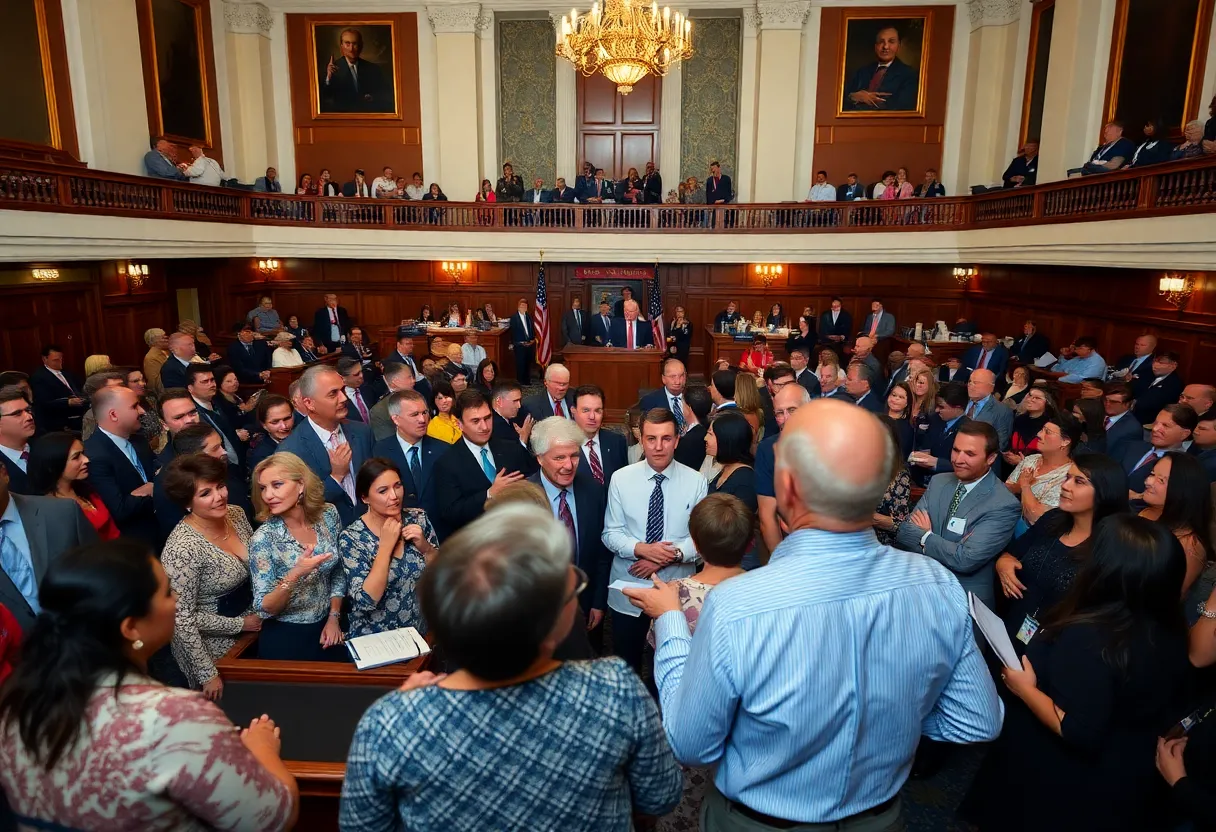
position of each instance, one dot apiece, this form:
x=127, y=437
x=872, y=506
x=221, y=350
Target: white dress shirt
x=625, y=522
x=205, y=171
x=348, y=482
x=415, y=192
x=382, y=186
x=15, y=456
x=471, y=355
x=822, y=192
x=59, y=375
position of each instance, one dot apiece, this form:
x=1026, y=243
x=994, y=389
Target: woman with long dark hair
x=80, y=718
x=1036, y=408
x=1177, y=494
x=58, y=467
x=1036, y=480
x=1102, y=679
x=1092, y=416
x=729, y=441
x=487, y=373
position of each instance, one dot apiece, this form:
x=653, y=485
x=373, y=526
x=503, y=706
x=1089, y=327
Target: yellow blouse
x=445, y=427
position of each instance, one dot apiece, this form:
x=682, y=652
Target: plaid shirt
x=580, y=748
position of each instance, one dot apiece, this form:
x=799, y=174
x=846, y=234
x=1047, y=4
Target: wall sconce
x=268, y=267
x=455, y=270
x=1176, y=289
x=136, y=273
x=45, y=274
x=768, y=272
x=963, y=275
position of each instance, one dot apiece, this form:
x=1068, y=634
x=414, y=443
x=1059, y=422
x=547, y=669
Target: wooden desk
x=939, y=351
x=281, y=378
x=623, y=374
x=497, y=342
x=318, y=705
x=725, y=346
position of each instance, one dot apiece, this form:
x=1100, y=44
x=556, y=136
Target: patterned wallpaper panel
x=527, y=99
x=709, y=102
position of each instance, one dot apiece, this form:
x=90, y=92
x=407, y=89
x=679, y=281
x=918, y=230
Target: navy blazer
x=172, y=374
x=843, y=326
x=1136, y=477
x=1122, y=434
x=601, y=334
x=261, y=447
x=938, y=441
x=900, y=80
x=657, y=398
x=18, y=480
x=614, y=455
x=850, y=193
x=521, y=331
x=590, y=554
x=417, y=494
x=721, y=190
x=810, y=383
x=305, y=444
x=961, y=375
x=643, y=335
x=504, y=430
x=998, y=361
x=461, y=484
x=51, y=408
x=564, y=195
x=113, y=477
x=321, y=326
x=1150, y=398
x=248, y=362
x=691, y=449
x=540, y=406
x=873, y=401
x=1028, y=349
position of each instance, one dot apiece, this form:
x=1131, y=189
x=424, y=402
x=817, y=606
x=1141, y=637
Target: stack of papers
x=389, y=647
x=1045, y=360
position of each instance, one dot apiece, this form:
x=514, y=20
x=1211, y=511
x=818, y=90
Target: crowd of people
x=764, y=558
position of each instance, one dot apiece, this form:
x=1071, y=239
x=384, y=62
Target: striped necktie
x=597, y=470
x=654, y=515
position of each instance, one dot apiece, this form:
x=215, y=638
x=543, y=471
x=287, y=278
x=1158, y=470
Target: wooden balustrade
x=1175, y=188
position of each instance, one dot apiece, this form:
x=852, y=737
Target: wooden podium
x=624, y=375
x=282, y=377
x=725, y=346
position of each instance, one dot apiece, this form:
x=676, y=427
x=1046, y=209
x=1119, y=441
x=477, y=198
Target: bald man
x=1137, y=369
x=863, y=351
x=983, y=406
x=1201, y=397
x=915, y=352
x=898, y=622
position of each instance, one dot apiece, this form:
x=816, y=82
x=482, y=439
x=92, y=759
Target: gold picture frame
x=345, y=101
x=860, y=28
x=154, y=73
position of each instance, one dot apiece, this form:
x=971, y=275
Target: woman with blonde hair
x=298, y=582
x=924, y=395
x=96, y=364
x=747, y=398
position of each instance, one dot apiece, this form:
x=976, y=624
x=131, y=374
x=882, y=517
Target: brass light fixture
x=45, y=274
x=624, y=40
x=963, y=275
x=136, y=273
x=768, y=272
x=455, y=270
x=1176, y=288
x=268, y=267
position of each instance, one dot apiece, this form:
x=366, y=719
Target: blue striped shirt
x=810, y=681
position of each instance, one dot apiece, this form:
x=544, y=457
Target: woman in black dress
x=424, y=314
x=679, y=336
x=729, y=442
x=1101, y=680
x=899, y=407
x=1155, y=148
x=802, y=337
x=776, y=315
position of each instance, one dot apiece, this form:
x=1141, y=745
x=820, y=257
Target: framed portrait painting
x=354, y=69
x=883, y=65
x=175, y=38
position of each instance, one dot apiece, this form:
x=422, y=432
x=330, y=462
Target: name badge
x=1029, y=627
x=957, y=525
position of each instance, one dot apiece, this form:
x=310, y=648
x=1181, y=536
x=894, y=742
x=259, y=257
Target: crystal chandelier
x=625, y=41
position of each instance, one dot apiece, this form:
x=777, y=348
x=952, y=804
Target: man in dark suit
x=17, y=426
x=1136, y=369
x=360, y=398
x=800, y=361
x=852, y=190
x=397, y=378
x=200, y=381
x=952, y=369
x=511, y=424
x=358, y=346
x=933, y=446
x=674, y=377
x=618, y=308
x=510, y=187
x=121, y=465
x=574, y=324
x=161, y=162
x=601, y=328
x=690, y=450
x=629, y=332
x=604, y=452
x=477, y=467
x=357, y=187
x=598, y=189
x=728, y=317
x=1164, y=387
x=1203, y=444
x=1172, y=426
x=346, y=445
x=561, y=193
x=249, y=357
x=49, y=527
x=181, y=353
x=1122, y=427
x=353, y=85
x=58, y=403
x=307, y=349
x=1031, y=345
x=414, y=453
x=718, y=190
x=835, y=326
x=989, y=354
x=1023, y=171
x=887, y=84
x=523, y=342
x=858, y=384
x=195, y=439
x=330, y=323
x=556, y=400
x=652, y=186
x=538, y=193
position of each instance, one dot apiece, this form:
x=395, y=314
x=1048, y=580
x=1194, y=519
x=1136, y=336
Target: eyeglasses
x=583, y=583
x=20, y=412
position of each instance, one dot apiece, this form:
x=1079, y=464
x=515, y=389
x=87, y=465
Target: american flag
x=656, y=312
x=540, y=320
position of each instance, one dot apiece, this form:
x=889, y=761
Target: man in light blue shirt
x=810, y=682
x=1084, y=363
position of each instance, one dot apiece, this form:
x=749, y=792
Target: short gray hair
x=864, y=373
x=308, y=381
x=1197, y=124
x=395, y=369
x=824, y=491
x=548, y=432
x=397, y=400
x=552, y=367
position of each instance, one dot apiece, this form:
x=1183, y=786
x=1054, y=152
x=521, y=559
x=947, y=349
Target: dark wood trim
x=232, y=668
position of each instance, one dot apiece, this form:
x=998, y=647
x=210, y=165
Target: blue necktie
x=415, y=468
x=129, y=450
x=486, y=466
x=678, y=412
x=654, y=516
x=19, y=568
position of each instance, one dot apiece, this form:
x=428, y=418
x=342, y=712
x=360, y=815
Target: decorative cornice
x=467, y=18
x=994, y=12
x=245, y=18
x=779, y=15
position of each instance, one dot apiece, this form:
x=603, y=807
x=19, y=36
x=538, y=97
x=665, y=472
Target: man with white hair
x=154, y=359
x=800, y=728
x=628, y=332
x=578, y=504
x=556, y=400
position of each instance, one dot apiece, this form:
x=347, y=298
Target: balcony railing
x=1175, y=188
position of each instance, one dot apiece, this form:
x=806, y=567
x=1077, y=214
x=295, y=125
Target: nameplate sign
x=746, y=336
x=613, y=272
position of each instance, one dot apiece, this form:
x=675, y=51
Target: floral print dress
x=398, y=605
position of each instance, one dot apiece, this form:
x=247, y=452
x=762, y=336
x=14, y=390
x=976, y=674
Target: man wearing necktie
x=1140, y=363
x=16, y=428
x=58, y=403
x=556, y=400
x=629, y=332
x=121, y=465
x=330, y=323
x=1174, y=425
x=573, y=324
x=671, y=395
x=523, y=342
x=718, y=187
x=351, y=84
x=352, y=377
x=888, y=83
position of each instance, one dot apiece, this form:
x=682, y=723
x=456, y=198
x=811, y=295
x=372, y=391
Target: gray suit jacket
x=886, y=325
x=1001, y=419
x=989, y=513
x=382, y=422
x=52, y=527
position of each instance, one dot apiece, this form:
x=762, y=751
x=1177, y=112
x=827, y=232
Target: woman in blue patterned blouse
x=383, y=554
x=298, y=583
x=514, y=739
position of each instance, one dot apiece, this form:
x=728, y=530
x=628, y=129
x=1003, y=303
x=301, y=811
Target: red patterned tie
x=597, y=470
x=362, y=407
x=563, y=511
x=629, y=331
x=557, y=410
x=876, y=79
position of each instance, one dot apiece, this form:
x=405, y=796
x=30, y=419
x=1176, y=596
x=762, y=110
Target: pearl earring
x=137, y=645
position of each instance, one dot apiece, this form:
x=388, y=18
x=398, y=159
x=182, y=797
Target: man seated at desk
x=629, y=332
x=1080, y=362
x=728, y=317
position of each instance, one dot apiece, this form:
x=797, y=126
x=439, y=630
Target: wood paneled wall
x=618, y=132
x=868, y=146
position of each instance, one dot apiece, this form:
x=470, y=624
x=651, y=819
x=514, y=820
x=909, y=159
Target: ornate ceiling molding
x=467, y=18
x=782, y=15
x=994, y=12
x=244, y=18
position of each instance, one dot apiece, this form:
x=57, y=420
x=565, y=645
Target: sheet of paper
x=1045, y=360
x=636, y=584
x=994, y=632
x=389, y=647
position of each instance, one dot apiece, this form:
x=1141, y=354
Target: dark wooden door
x=617, y=132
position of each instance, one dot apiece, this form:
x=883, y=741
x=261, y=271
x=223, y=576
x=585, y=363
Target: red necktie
x=629, y=334
x=876, y=79
x=333, y=316
x=362, y=409
x=1151, y=456
x=597, y=470
x=25, y=455
x=874, y=327
x=984, y=360
x=557, y=410
x=563, y=511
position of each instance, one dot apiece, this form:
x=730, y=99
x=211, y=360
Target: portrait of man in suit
x=354, y=69
x=883, y=69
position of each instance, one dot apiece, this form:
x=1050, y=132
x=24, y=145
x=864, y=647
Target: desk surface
x=623, y=375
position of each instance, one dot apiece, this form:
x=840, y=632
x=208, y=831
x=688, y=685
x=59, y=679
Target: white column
x=428, y=88
x=745, y=180
x=989, y=90
x=777, y=99
x=566, y=112
x=804, y=138
x=219, y=49
x=954, y=162
x=671, y=118
x=1021, y=53
x=458, y=68
x=488, y=95
x=1076, y=85
x=283, y=134
x=247, y=29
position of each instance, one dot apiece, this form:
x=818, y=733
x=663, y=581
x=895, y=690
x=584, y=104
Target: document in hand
x=1045, y=360
x=994, y=632
x=389, y=647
